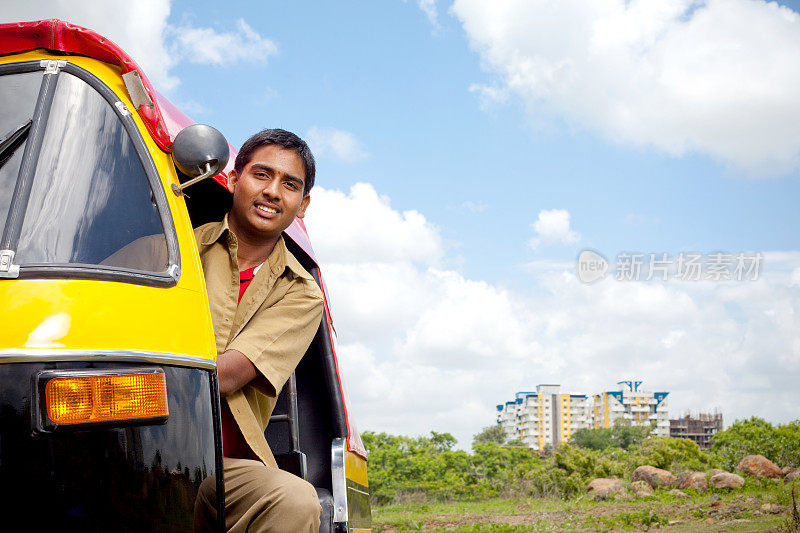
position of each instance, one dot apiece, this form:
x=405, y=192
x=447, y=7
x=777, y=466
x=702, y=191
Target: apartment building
x=632, y=403
x=547, y=416
x=507, y=419
x=544, y=418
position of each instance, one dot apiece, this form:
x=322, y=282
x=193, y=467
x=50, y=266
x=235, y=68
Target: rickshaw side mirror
x=199, y=151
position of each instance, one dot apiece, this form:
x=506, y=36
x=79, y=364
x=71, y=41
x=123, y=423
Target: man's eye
x=292, y=185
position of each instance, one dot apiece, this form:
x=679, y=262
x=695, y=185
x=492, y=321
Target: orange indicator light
x=102, y=398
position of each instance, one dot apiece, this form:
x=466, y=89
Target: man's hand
x=235, y=371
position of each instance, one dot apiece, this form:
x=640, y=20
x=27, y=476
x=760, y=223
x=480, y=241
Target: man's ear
x=303, y=206
x=233, y=177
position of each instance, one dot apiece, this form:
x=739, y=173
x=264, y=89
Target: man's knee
x=268, y=499
x=205, y=506
x=299, y=498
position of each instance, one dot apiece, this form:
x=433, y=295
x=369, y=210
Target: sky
x=468, y=151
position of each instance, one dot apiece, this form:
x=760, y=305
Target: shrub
x=780, y=444
x=671, y=454
x=428, y=467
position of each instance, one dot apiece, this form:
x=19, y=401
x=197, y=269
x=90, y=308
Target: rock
x=678, y=494
x=642, y=488
x=715, y=471
x=759, y=466
x=693, y=480
x=602, y=488
x=726, y=480
x=655, y=477
x=791, y=474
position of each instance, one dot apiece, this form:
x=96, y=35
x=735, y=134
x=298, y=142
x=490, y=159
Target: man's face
x=268, y=194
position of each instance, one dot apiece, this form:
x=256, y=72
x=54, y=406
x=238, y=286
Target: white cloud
x=552, y=227
x=142, y=30
x=384, y=234
x=489, y=95
x=339, y=143
x=719, y=77
x=207, y=46
x=423, y=347
x=429, y=8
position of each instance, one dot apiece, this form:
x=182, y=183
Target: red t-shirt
x=233, y=443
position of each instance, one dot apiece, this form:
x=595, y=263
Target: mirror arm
x=178, y=188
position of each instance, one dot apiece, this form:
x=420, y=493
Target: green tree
x=622, y=435
x=755, y=436
x=493, y=433
x=426, y=465
x=441, y=442
x=626, y=434
x=593, y=439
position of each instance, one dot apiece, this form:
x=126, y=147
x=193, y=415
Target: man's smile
x=266, y=210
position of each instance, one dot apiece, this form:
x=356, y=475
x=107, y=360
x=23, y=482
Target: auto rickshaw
x=109, y=408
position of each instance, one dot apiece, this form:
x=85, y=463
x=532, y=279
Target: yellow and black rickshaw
x=109, y=409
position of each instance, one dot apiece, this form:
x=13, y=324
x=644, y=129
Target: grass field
x=760, y=506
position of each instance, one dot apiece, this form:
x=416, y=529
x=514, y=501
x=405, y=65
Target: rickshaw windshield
x=90, y=202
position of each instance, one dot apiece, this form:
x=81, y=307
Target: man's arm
x=267, y=350
x=234, y=371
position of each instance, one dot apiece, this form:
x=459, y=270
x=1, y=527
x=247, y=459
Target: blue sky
x=382, y=72
x=444, y=130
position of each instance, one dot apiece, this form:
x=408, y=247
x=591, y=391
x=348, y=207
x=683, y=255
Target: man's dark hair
x=284, y=139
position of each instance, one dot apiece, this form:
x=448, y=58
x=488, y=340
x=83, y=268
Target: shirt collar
x=278, y=261
x=215, y=231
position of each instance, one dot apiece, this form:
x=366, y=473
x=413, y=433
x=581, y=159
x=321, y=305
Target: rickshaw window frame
x=30, y=156
x=168, y=278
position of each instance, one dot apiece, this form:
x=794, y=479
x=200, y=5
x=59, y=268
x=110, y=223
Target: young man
x=266, y=310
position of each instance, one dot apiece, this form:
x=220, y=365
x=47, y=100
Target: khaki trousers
x=259, y=498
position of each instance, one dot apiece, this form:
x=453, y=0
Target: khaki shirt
x=273, y=325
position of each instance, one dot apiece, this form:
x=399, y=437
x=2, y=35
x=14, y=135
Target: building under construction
x=698, y=428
